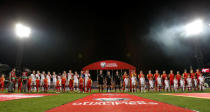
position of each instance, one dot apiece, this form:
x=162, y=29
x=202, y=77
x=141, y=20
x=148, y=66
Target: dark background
x=71, y=35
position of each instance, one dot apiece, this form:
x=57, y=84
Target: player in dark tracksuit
x=100, y=81
x=108, y=81
x=117, y=81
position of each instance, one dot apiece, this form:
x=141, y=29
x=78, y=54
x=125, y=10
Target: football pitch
x=43, y=104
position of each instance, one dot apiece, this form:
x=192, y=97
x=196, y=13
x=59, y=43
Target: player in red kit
x=178, y=77
x=58, y=85
x=156, y=75
x=194, y=82
x=139, y=76
x=149, y=77
x=37, y=84
x=185, y=75
x=171, y=78
x=89, y=84
x=71, y=84
x=29, y=83
x=63, y=82
x=197, y=74
x=163, y=76
x=81, y=82
x=19, y=84
x=2, y=79
x=45, y=84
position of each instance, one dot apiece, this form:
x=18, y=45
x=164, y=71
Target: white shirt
x=76, y=78
x=166, y=83
x=42, y=77
x=86, y=76
x=133, y=79
x=48, y=77
x=159, y=80
x=175, y=82
x=142, y=80
x=182, y=82
x=54, y=78
x=201, y=79
x=33, y=77
x=38, y=76
x=151, y=83
x=189, y=80
x=70, y=76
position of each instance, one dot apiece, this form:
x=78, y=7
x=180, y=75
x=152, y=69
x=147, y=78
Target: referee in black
x=100, y=81
x=108, y=81
x=117, y=80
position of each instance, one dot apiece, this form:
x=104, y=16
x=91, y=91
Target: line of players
x=157, y=81
x=44, y=81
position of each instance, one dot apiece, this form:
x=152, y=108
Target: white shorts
x=133, y=83
x=33, y=83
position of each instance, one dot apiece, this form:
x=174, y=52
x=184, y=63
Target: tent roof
x=109, y=65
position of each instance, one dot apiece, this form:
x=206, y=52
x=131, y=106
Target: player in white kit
x=133, y=82
x=54, y=77
x=42, y=80
x=87, y=74
x=142, y=83
x=182, y=84
x=195, y=83
x=38, y=75
x=201, y=82
x=189, y=83
x=126, y=80
x=33, y=81
x=151, y=85
x=159, y=82
x=76, y=81
x=49, y=79
x=175, y=84
x=167, y=85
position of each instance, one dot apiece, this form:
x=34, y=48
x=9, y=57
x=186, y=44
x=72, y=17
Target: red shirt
x=171, y=76
x=178, y=76
x=81, y=81
x=164, y=76
x=37, y=82
x=63, y=81
x=45, y=81
x=71, y=81
x=198, y=74
x=192, y=75
x=141, y=75
x=13, y=76
x=89, y=82
x=1, y=80
x=19, y=81
x=149, y=76
x=29, y=81
x=57, y=83
x=124, y=76
x=156, y=76
x=186, y=75
x=24, y=75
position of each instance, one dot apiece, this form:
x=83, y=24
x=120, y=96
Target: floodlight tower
x=22, y=32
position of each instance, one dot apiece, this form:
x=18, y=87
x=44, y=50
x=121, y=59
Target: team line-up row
x=83, y=83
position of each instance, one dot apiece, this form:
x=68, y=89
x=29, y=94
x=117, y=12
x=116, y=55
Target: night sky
x=71, y=35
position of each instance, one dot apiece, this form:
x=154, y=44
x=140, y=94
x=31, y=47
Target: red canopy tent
x=109, y=65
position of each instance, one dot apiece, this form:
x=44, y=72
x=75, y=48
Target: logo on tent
x=103, y=64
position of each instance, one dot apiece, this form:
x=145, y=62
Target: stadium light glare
x=22, y=31
x=194, y=28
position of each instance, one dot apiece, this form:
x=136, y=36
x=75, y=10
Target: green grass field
x=45, y=103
